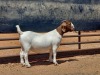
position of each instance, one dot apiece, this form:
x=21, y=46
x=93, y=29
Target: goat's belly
x=40, y=48
x=40, y=44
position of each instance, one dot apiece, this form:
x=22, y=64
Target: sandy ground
x=71, y=60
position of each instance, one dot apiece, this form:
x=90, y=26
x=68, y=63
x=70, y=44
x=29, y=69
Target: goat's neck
x=59, y=30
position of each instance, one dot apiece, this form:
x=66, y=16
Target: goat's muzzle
x=72, y=29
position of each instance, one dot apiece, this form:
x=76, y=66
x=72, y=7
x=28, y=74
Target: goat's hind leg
x=26, y=59
x=24, y=54
x=22, y=57
x=26, y=50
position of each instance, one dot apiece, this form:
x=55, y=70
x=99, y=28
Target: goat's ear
x=63, y=28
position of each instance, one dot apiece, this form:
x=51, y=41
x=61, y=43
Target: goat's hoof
x=23, y=64
x=56, y=64
x=28, y=66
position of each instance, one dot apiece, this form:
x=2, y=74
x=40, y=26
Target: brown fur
x=64, y=27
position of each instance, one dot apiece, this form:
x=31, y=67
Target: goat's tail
x=19, y=30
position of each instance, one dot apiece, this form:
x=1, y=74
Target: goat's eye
x=64, y=27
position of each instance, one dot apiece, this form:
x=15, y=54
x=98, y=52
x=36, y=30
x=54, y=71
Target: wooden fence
x=79, y=35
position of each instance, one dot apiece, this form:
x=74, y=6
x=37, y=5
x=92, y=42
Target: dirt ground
x=71, y=60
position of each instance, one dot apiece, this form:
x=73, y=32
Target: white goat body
x=38, y=41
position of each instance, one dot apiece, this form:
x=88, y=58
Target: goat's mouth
x=72, y=29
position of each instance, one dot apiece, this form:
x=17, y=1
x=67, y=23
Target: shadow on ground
x=42, y=59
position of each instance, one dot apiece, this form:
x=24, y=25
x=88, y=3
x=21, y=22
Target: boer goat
x=34, y=40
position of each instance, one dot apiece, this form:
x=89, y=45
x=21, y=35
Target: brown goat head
x=65, y=27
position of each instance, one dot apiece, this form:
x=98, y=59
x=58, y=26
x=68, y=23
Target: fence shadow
x=42, y=59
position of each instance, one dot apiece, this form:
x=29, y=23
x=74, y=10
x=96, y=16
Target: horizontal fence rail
x=80, y=43
x=81, y=35
x=11, y=47
x=4, y=39
x=71, y=43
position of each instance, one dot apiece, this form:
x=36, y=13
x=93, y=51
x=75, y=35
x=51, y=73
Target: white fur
x=38, y=41
x=72, y=26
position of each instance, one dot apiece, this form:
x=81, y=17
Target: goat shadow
x=46, y=62
x=42, y=59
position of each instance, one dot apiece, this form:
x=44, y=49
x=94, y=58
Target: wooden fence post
x=79, y=40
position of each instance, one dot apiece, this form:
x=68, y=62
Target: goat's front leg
x=54, y=54
x=50, y=56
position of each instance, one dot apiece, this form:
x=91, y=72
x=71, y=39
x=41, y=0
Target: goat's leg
x=26, y=59
x=50, y=56
x=54, y=54
x=22, y=57
x=26, y=47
